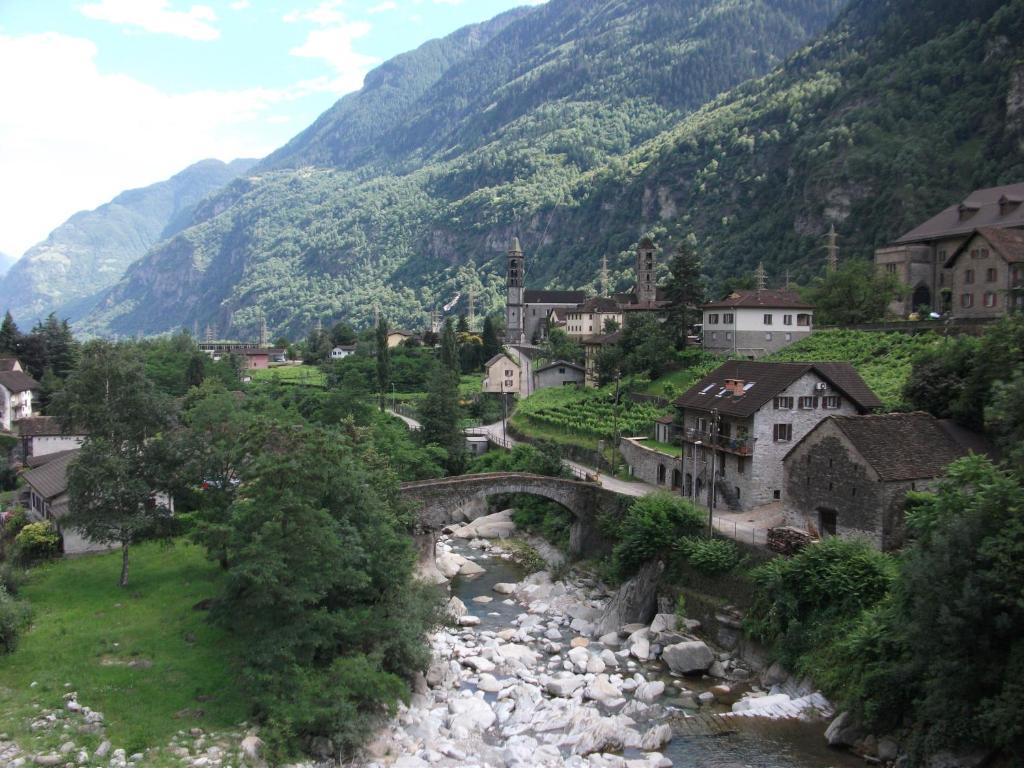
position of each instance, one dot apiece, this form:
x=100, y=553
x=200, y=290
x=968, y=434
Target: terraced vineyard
x=591, y=413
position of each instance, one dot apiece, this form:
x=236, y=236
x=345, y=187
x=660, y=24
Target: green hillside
x=573, y=126
x=446, y=152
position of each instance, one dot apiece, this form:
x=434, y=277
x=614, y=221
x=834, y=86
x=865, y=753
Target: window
x=782, y=433
x=741, y=465
x=776, y=494
x=890, y=268
x=991, y=274
x=768, y=337
x=1017, y=275
x=714, y=335
x=803, y=319
x=787, y=319
x=942, y=278
x=789, y=337
x=768, y=319
x=808, y=403
x=713, y=319
x=830, y=401
x=728, y=336
x=508, y=383
x=783, y=403
x=967, y=300
x=990, y=299
x=968, y=276
x=561, y=370
x=508, y=374
x=727, y=318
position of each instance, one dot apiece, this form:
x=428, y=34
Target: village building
x=16, y=392
x=755, y=323
x=342, y=351
x=43, y=435
x=46, y=498
x=986, y=273
x=396, y=337
x=922, y=259
x=504, y=375
x=592, y=347
x=559, y=373
x=590, y=317
x=849, y=475
x=738, y=423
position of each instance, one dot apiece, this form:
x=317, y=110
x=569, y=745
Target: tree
x=855, y=293
x=560, y=346
x=383, y=362
x=685, y=292
x=439, y=415
x=463, y=325
x=112, y=484
x=611, y=325
x=318, y=347
x=196, y=371
x=9, y=335
x=490, y=338
x=449, y=347
x=343, y=333
x=1004, y=417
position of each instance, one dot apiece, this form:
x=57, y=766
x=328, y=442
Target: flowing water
x=753, y=743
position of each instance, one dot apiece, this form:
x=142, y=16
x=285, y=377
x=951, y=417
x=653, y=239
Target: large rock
x=689, y=657
x=564, y=686
x=648, y=692
x=504, y=588
x=634, y=602
x=664, y=622
x=469, y=714
x=456, y=608
x=843, y=731
x=493, y=526
x=656, y=738
x=639, y=644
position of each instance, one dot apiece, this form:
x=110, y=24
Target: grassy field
x=291, y=374
x=142, y=655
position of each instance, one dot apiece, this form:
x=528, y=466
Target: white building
x=42, y=435
x=16, y=389
x=343, y=351
x=504, y=375
x=755, y=323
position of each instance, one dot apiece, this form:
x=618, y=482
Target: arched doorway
x=827, y=522
x=677, y=478
x=922, y=297
x=689, y=484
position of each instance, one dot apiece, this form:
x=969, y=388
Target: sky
x=99, y=96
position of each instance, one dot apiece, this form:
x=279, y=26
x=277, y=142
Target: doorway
x=827, y=522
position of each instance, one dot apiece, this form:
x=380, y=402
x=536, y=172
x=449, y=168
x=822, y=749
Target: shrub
x=710, y=555
x=650, y=527
x=16, y=520
x=13, y=617
x=37, y=541
x=11, y=577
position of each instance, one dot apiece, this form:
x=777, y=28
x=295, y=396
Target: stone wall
x=644, y=463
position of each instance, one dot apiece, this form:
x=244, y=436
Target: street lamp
x=693, y=483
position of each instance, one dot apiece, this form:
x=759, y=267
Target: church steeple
x=646, y=266
x=515, y=332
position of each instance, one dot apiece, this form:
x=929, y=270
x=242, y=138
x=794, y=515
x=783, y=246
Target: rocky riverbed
x=531, y=675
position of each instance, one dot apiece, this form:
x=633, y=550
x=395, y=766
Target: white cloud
x=72, y=137
x=333, y=41
x=387, y=5
x=155, y=16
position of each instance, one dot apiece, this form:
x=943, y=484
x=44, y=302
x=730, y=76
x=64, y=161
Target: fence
x=745, y=534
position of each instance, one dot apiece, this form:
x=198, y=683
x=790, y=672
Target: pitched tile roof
x=40, y=426
x=51, y=479
x=560, y=364
x=1008, y=243
x=498, y=357
x=602, y=339
x=598, y=304
x=9, y=364
x=17, y=381
x=901, y=446
x=769, y=299
x=764, y=380
x=46, y=458
x=985, y=203
x=533, y=296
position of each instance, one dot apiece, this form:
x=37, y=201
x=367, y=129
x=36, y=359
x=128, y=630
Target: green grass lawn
x=291, y=374
x=86, y=631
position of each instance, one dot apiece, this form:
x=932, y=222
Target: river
x=747, y=741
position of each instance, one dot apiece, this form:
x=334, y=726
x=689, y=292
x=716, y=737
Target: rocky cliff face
x=90, y=251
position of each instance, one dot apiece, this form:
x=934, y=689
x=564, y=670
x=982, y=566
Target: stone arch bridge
x=463, y=498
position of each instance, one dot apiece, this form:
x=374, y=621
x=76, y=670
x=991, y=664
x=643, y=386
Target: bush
x=710, y=555
x=13, y=617
x=650, y=528
x=13, y=525
x=12, y=578
x=37, y=541
x=547, y=519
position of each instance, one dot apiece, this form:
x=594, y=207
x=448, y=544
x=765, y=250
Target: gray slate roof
x=768, y=299
x=40, y=426
x=987, y=214
x=768, y=380
x=560, y=364
x=9, y=363
x=51, y=479
x=17, y=381
x=901, y=446
x=1008, y=243
x=533, y=296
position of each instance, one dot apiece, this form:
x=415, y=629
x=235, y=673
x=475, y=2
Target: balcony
x=741, y=446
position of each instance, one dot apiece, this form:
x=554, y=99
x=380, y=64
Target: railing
x=743, y=446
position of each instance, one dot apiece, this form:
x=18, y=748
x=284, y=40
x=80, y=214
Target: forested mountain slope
x=91, y=250
x=445, y=152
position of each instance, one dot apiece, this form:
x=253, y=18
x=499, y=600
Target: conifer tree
x=684, y=290
x=9, y=335
x=383, y=362
x=449, y=347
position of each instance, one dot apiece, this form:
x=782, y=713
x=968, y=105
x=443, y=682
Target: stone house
x=46, y=498
x=43, y=435
x=755, y=323
x=504, y=375
x=986, y=273
x=919, y=258
x=16, y=392
x=738, y=422
x=559, y=373
x=849, y=475
x=589, y=317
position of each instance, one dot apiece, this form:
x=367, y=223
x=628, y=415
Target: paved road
x=409, y=422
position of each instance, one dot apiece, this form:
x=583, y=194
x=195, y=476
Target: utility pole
x=693, y=487
x=615, y=426
x=471, y=319
x=605, y=280
x=209, y=332
x=832, y=260
x=711, y=479
x=760, y=277
x=264, y=336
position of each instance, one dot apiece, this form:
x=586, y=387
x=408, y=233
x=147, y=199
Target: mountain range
x=90, y=252
x=747, y=127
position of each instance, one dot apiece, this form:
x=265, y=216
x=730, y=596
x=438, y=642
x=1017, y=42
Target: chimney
x=735, y=386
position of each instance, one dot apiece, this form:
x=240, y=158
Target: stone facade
x=983, y=283
x=651, y=466
x=558, y=374
x=826, y=478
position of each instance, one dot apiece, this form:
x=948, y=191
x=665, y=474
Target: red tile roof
x=767, y=299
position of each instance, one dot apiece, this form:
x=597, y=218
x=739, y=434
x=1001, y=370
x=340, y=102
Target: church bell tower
x=646, y=285
x=514, y=321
